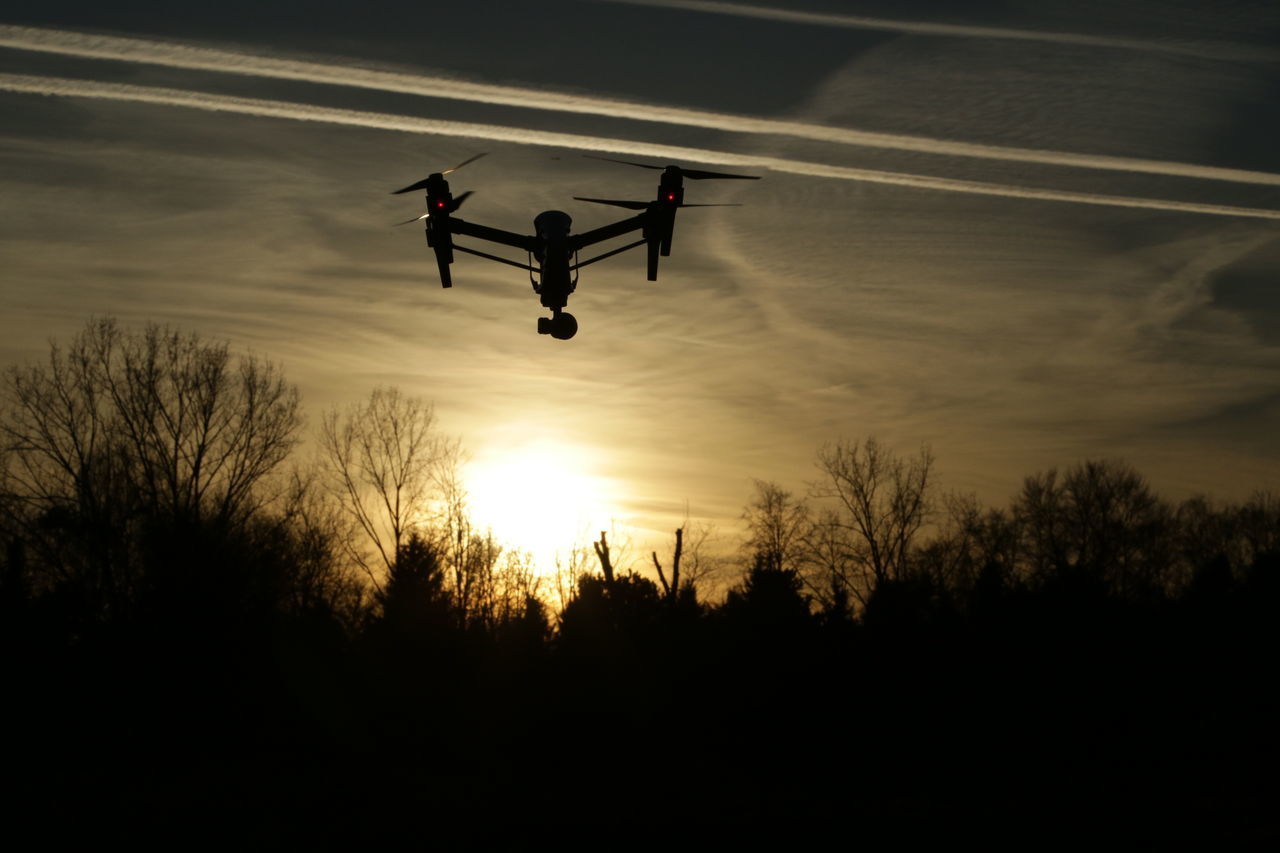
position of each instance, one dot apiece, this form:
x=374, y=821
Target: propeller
x=422, y=184
x=642, y=205
x=457, y=203
x=630, y=205
x=693, y=174
x=465, y=162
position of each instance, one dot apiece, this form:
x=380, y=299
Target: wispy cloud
x=930, y=28
x=66, y=87
x=231, y=62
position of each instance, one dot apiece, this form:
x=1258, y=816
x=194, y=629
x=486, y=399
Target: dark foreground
x=1027, y=717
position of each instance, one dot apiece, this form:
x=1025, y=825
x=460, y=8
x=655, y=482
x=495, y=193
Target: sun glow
x=541, y=498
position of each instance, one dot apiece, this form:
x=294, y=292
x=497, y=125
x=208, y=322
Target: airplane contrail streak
x=929, y=28
x=206, y=59
x=66, y=87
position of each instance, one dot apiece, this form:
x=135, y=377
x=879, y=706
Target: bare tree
x=191, y=430
x=777, y=523
x=831, y=574
x=1237, y=534
x=569, y=567
x=518, y=581
x=121, y=428
x=1101, y=521
x=477, y=583
x=1259, y=524
x=572, y=566
x=694, y=567
x=314, y=530
x=513, y=583
x=885, y=501
x=702, y=565
x=382, y=459
x=605, y=558
x=671, y=589
x=973, y=540
x=1207, y=532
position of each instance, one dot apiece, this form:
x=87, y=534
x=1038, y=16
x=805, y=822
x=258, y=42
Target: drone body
x=552, y=251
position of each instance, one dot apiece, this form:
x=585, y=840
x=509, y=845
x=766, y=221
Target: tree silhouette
x=605, y=558
x=381, y=458
x=312, y=531
x=830, y=571
x=122, y=431
x=769, y=604
x=513, y=606
x=977, y=546
x=164, y=595
x=193, y=430
x=671, y=589
x=1099, y=523
x=616, y=617
x=701, y=565
x=1259, y=524
x=777, y=523
x=885, y=501
x=413, y=601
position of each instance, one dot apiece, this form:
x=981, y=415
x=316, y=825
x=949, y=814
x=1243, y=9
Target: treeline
x=200, y=629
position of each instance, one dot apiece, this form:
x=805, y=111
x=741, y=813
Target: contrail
x=927, y=28
x=528, y=136
x=206, y=59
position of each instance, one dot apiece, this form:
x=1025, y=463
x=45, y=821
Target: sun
x=542, y=498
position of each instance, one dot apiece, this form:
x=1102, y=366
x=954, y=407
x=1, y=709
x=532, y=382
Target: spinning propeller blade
x=623, y=162
x=699, y=175
x=631, y=205
x=642, y=205
x=694, y=174
x=422, y=184
x=465, y=162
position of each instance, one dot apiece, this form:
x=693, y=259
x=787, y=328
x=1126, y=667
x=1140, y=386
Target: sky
x=1022, y=233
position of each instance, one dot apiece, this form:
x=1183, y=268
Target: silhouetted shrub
x=768, y=607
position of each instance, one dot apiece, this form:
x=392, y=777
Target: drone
x=552, y=252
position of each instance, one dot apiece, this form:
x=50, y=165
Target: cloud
x=65, y=87
x=230, y=62
x=1206, y=50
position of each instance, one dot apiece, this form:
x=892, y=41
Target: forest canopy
x=165, y=537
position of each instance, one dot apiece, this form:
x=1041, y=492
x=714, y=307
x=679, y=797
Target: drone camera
x=562, y=326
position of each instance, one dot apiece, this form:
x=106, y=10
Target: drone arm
x=608, y=232
x=493, y=235
x=490, y=257
x=608, y=254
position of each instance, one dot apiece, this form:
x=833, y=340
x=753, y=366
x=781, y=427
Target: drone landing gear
x=560, y=325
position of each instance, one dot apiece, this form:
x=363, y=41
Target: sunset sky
x=1025, y=233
